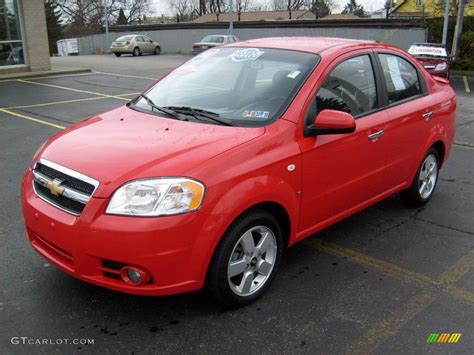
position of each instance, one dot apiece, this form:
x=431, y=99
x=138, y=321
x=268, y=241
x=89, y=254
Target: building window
x=11, y=44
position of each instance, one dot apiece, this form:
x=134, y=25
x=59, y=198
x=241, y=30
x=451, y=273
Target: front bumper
x=89, y=246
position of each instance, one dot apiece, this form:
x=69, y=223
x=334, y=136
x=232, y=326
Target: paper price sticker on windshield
x=256, y=114
x=242, y=55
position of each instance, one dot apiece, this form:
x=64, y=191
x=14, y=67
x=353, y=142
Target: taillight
x=127, y=43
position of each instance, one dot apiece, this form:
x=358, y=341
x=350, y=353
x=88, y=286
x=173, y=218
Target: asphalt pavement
x=380, y=281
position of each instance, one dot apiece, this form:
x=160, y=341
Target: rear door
x=343, y=171
x=150, y=47
x=141, y=43
x=409, y=111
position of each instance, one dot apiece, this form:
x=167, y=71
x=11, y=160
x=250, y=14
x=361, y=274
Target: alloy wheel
x=252, y=260
x=427, y=177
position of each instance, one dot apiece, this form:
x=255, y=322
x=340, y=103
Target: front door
x=341, y=172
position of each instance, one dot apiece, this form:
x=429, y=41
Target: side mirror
x=331, y=122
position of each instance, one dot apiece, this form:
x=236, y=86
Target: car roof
x=306, y=44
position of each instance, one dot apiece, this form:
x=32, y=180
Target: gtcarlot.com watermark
x=50, y=341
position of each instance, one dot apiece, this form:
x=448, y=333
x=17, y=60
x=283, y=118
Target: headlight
x=441, y=66
x=157, y=197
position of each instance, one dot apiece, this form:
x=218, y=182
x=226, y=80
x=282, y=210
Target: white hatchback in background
x=135, y=45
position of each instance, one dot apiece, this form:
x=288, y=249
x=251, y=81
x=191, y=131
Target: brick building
x=23, y=36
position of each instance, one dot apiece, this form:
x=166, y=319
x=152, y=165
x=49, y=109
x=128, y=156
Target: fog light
x=134, y=276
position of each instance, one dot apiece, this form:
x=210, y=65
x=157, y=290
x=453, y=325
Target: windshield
x=245, y=86
x=213, y=39
x=124, y=38
x=428, y=51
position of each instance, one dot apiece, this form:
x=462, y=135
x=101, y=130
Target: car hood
x=124, y=144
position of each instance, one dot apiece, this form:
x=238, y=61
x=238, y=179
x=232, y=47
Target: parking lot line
x=444, y=282
x=466, y=84
x=390, y=327
x=368, y=261
x=19, y=115
x=69, y=101
x=464, y=144
x=430, y=291
x=127, y=76
x=71, y=89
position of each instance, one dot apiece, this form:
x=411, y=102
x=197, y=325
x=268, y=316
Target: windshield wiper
x=168, y=111
x=197, y=112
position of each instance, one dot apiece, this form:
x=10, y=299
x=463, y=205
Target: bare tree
x=185, y=10
x=289, y=5
x=88, y=16
x=243, y=5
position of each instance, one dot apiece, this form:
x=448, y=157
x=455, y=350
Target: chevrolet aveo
x=205, y=178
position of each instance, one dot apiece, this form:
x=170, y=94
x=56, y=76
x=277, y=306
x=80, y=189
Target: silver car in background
x=135, y=45
x=212, y=41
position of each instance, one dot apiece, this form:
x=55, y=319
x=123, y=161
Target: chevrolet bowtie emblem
x=55, y=187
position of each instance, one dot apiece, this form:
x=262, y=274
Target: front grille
x=68, y=180
x=62, y=187
x=61, y=201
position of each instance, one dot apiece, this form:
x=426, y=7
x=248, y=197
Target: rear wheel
x=118, y=54
x=157, y=50
x=246, y=260
x=424, y=184
x=136, y=52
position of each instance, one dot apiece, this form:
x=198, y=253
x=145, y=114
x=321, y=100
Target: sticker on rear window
x=256, y=114
x=242, y=55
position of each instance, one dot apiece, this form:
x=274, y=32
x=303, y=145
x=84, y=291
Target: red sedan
x=205, y=178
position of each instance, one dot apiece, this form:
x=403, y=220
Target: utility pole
x=106, y=27
x=447, y=4
x=458, y=29
x=231, y=17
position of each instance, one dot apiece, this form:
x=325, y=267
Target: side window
x=350, y=87
x=140, y=39
x=401, y=78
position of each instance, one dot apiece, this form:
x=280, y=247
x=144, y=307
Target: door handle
x=426, y=116
x=376, y=135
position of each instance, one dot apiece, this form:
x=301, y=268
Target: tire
x=118, y=54
x=253, y=271
x=136, y=52
x=427, y=174
x=157, y=51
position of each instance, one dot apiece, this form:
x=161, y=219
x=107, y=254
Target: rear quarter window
x=401, y=78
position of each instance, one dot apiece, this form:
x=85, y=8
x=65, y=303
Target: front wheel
x=424, y=184
x=157, y=51
x=246, y=260
x=118, y=54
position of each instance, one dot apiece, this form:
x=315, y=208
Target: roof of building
x=341, y=17
x=257, y=16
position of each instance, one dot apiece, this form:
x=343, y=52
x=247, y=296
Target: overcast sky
x=162, y=6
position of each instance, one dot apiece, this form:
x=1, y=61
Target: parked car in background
x=208, y=175
x=434, y=57
x=212, y=41
x=135, y=45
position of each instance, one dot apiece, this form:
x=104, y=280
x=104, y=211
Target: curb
x=31, y=75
